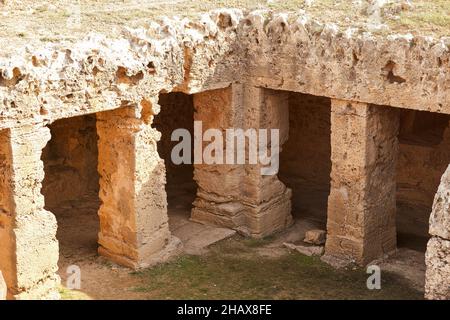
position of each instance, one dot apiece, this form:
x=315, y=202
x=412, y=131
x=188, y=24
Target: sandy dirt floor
x=78, y=226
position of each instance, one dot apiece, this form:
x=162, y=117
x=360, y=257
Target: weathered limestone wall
x=280, y=52
x=305, y=157
x=424, y=154
x=238, y=196
x=29, y=250
x=134, y=227
x=70, y=160
x=362, y=201
x=437, y=285
x=305, y=56
x=98, y=73
x=40, y=84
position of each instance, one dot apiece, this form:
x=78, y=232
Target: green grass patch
x=67, y=294
x=246, y=275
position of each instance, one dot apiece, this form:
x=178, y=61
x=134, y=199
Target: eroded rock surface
x=239, y=63
x=437, y=279
x=440, y=216
x=42, y=83
x=437, y=285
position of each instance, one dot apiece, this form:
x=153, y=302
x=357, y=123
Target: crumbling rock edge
x=97, y=73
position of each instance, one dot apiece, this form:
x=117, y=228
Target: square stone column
x=28, y=246
x=134, y=228
x=362, y=200
x=237, y=195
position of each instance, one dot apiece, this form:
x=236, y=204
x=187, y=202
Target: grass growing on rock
x=233, y=269
x=49, y=21
x=432, y=15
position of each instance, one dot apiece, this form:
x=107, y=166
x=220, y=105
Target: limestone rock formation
x=315, y=236
x=440, y=216
x=306, y=250
x=437, y=277
x=237, y=63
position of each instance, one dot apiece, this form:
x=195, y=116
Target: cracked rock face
x=42, y=83
x=437, y=277
x=440, y=215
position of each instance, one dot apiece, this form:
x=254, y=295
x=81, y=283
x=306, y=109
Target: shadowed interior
x=71, y=187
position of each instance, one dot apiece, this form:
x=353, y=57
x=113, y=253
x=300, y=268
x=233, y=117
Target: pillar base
x=147, y=255
x=255, y=221
x=46, y=290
